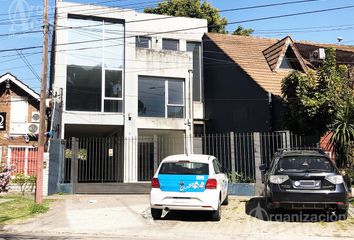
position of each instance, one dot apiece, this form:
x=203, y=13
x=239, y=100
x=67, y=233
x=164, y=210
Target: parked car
x=189, y=182
x=304, y=179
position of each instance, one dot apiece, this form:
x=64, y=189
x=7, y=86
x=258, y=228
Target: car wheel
x=226, y=200
x=156, y=213
x=342, y=214
x=216, y=215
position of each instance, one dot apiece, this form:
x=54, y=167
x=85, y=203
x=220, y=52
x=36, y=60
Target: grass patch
x=20, y=207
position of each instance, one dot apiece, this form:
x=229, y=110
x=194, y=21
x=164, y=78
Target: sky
x=325, y=27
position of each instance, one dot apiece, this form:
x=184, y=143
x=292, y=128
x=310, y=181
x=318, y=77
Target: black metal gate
x=95, y=163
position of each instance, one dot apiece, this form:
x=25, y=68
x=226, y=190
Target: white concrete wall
x=150, y=62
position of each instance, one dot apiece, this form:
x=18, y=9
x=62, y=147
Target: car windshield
x=304, y=164
x=184, y=167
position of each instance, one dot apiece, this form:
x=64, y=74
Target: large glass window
x=95, y=59
x=170, y=44
x=195, y=48
x=160, y=97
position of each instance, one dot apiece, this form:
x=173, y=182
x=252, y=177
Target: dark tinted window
x=170, y=44
x=190, y=168
x=83, y=91
x=216, y=167
x=195, y=48
x=151, y=95
x=304, y=163
x=142, y=42
x=113, y=85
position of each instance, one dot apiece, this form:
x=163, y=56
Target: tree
x=322, y=101
x=243, y=31
x=194, y=9
x=343, y=136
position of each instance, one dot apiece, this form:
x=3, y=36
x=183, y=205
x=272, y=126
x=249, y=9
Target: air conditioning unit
x=33, y=128
x=318, y=55
x=18, y=128
x=35, y=117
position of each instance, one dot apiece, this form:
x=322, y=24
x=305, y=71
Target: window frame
x=103, y=21
x=149, y=43
x=166, y=93
x=167, y=104
x=201, y=75
x=171, y=39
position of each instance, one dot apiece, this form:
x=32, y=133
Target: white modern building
x=122, y=73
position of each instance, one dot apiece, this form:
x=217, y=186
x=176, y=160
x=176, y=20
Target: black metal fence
x=112, y=159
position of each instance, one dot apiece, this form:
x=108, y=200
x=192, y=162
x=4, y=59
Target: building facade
x=19, y=125
x=126, y=74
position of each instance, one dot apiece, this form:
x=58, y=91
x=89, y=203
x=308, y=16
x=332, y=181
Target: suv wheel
x=156, y=213
x=216, y=215
x=342, y=214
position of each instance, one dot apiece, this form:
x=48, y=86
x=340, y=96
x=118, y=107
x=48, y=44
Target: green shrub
x=38, y=208
x=236, y=177
x=24, y=182
x=350, y=173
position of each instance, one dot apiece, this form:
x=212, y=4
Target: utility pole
x=191, y=111
x=42, y=108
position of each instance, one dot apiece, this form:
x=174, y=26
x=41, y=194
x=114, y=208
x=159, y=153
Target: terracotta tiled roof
x=344, y=53
x=258, y=57
x=274, y=52
x=347, y=48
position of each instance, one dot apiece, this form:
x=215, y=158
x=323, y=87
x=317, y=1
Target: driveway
x=128, y=217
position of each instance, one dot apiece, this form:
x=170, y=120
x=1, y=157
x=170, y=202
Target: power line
x=193, y=28
x=24, y=59
x=40, y=10
x=268, y=5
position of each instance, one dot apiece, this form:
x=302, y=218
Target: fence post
x=233, y=160
x=288, y=141
x=258, y=162
x=74, y=163
x=155, y=153
x=25, y=167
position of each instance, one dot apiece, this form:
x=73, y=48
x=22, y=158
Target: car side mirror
x=263, y=168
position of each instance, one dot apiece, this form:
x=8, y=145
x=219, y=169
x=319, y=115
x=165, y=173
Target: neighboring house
x=242, y=81
x=127, y=74
x=242, y=78
x=19, y=124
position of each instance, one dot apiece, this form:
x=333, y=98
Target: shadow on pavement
x=188, y=216
x=256, y=207
x=31, y=236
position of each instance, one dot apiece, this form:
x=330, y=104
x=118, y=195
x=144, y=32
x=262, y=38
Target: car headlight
x=278, y=179
x=335, y=179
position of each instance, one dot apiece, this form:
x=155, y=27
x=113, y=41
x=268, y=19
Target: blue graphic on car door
x=182, y=183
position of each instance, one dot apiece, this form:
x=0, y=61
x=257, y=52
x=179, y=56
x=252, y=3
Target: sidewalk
x=128, y=217
x=89, y=214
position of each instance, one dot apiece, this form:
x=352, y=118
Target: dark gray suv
x=304, y=179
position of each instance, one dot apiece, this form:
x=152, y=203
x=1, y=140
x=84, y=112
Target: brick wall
x=326, y=146
x=5, y=106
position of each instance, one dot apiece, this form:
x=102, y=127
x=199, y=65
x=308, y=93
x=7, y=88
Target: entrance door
x=145, y=161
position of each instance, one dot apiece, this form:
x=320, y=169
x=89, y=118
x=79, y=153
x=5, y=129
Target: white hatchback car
x=189, y=182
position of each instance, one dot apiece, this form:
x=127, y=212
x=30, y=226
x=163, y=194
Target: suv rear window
x=304, y=163
x=190, y=168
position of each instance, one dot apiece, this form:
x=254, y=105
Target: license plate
x=312, y=184
x=181, y=200
x=307, y=183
